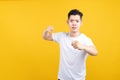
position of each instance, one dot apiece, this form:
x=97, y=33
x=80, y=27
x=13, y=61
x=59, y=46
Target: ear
x=81, y=23
x=67, y=21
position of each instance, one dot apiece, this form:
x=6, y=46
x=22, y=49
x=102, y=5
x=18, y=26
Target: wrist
x=84, y=47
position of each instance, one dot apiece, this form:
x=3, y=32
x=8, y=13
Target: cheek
x=79, y=24
x=69, y=24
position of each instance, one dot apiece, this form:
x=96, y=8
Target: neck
x=74, y=34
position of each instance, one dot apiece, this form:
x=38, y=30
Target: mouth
x=74, y=28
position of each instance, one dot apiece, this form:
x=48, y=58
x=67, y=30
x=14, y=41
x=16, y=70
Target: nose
x=74, y=23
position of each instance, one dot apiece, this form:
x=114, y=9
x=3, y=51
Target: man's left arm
x=89, y=49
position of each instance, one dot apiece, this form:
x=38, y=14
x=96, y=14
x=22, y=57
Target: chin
x=74, y=31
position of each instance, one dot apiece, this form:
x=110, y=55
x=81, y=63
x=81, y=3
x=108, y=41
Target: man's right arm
x=47, y=34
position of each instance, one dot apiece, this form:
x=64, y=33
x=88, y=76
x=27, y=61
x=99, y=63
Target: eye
x=71, y=20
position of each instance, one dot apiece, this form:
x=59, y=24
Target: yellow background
x=24, y=55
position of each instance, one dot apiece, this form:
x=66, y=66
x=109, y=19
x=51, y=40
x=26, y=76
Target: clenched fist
x=47, y=34
x=77, y=45
x=49, y=29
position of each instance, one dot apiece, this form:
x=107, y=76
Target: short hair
x=75, y=12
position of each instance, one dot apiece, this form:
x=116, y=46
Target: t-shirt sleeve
x=57, y=36
x=89, y=42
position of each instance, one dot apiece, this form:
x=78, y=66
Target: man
x=74, y=48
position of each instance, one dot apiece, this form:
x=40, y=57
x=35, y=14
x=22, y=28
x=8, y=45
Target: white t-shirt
x=72, y=61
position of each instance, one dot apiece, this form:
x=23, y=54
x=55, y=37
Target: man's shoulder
x=84, y=36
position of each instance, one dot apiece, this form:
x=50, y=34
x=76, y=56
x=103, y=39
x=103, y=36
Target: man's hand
x=77, y=45
x=49, y=29
x=47, y=34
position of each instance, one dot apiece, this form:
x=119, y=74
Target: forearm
x=91, y=50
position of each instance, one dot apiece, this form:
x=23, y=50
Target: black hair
x=75, y=12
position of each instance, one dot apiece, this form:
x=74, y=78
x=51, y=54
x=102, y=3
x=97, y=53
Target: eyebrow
x=75, y=19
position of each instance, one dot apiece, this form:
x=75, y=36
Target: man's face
x=74, y=23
